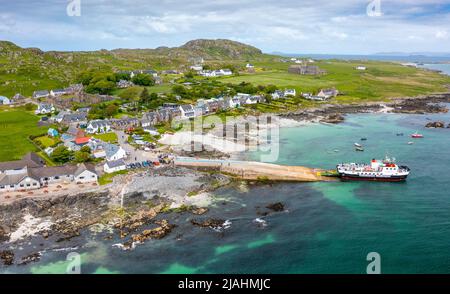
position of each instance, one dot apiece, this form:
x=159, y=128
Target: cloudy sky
x=291, y=26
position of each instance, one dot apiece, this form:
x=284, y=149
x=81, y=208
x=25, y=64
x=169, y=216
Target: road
x=135, y=155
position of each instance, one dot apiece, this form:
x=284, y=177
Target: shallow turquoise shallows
x=326, y=228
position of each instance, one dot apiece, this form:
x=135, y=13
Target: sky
x=289, y=26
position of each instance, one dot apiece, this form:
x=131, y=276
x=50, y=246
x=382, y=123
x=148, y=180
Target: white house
x=197, y=67
x=98, y=126
x=151, y=130
x=252, y=100
x=40, y=94
x=290, y=92
x=277, y=95
x=45, y=108
x=4, y=100
x=328, y=93
x=114, y=152
x=114, y=166
x=234, y=102
x=361, y=67
x=249, y=65
x=85, y=173
x=187, y=111
x=58, y=92
x=99, y=153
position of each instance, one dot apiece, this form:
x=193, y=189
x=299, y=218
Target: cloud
x=310, y=26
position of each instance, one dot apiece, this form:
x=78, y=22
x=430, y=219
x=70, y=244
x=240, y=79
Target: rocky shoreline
x=54, y=222
x=132, y=209
x=330, y=113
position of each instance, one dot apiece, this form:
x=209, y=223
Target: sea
x=327, y=227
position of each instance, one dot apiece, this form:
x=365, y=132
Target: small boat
x=363, y=139
x=336, y=150
x=410, y=143
x=359, y=149
x=400, y=134
x=358, y=145
x=416, y=135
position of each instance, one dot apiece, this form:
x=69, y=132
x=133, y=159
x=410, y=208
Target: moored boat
x=377, y=171
x=416, y=135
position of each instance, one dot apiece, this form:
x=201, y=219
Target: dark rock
x=7, y=257
x=438, y=124
x=158, y=233
x=278, y=206
x=199, y=210
x=4, y=236
x=34, y=257
x=209, y=223
x=333, y=118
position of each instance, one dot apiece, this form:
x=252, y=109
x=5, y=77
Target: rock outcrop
x=436, y=125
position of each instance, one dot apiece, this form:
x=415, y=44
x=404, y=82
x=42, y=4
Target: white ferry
x=376, y=171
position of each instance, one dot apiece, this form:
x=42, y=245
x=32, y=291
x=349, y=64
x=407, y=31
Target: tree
x=122, y=76
x=84, y=155
x=143, y=80
x=61, y=154
x=111, y=110
x=130, y=93
x=144, y=98
x=103, y=87
x=179, y=90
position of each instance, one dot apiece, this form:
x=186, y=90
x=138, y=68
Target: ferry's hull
x=345, y=177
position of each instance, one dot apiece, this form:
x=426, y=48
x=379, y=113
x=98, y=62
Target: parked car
x=138, y=165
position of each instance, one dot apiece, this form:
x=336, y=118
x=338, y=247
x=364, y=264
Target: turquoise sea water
x=444, y=67
x=327, y=228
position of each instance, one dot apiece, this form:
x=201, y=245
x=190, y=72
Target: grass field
x=47, y=141
x=108, y=137
x=381, y=80
x=15, y=128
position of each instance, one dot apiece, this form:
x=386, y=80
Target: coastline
x=60, y=218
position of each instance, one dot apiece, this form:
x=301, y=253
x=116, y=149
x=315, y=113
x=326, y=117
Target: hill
x=24, y=70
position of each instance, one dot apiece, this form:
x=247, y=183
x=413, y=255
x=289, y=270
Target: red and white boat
x=416, y=135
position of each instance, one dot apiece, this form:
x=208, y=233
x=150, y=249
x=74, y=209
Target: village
x=79, y=148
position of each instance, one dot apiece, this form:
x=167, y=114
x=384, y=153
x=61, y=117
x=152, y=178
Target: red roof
x=83, y=140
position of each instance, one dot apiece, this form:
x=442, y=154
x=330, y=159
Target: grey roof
x=187, y=107
x=59, y=91
x=117, y=163
x=30, y=160
x=100, y=123
x=75, y=117
x=40, y=93
x=52, y=171
x=12, y=179
x=83, y=167
x=110, y=149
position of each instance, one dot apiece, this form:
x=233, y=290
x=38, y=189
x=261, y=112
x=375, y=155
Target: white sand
x=215, y=141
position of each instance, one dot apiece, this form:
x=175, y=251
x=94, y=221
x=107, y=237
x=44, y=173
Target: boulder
x=333, y=118
x=437, y=124
x=7, y=257
x=34, y=257
x=4, y=236
x=278, y=206
x=209, y=223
